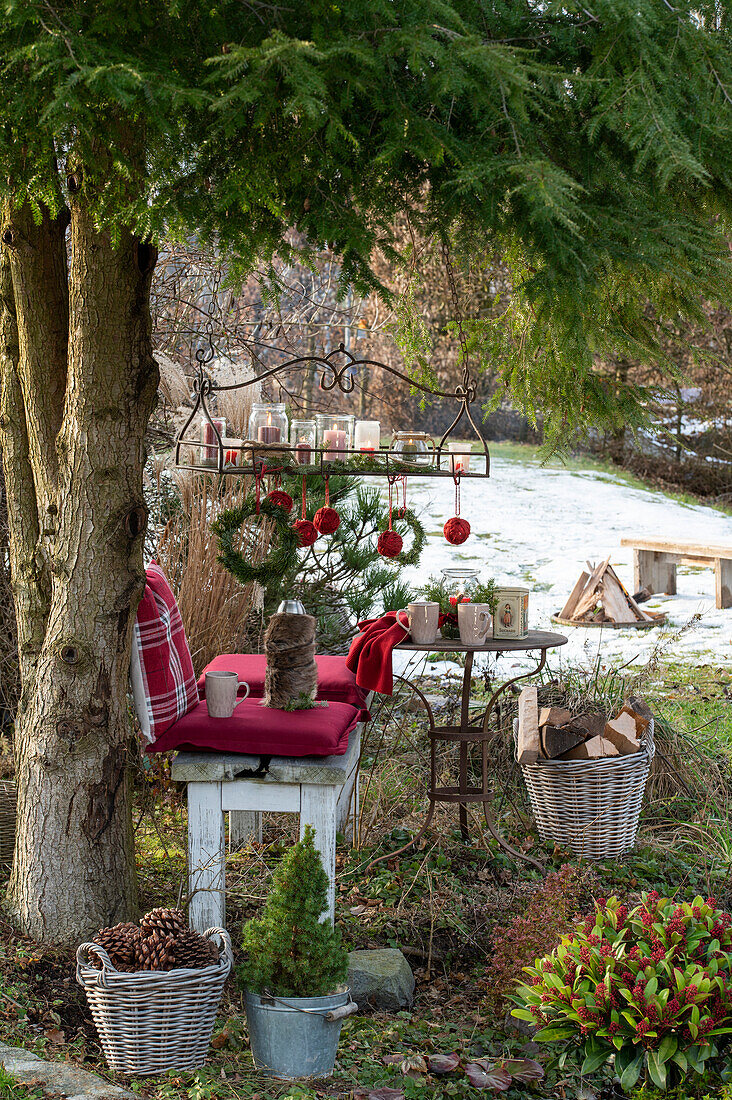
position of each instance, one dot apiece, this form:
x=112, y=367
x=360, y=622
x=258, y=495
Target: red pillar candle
x=210, y=453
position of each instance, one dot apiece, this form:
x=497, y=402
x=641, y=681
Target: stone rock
x=58, y=1078
x=381, y=978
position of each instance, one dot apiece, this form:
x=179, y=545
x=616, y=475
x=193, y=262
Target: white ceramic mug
x=221, y=692
x=423, y=620
x=474, y=622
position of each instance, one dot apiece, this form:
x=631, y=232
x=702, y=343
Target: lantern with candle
x=414, y=447
x=268, y=422
x=459, y=457
x=367, y=436
x=335, y=435
x=210, y=453
x=302, y=440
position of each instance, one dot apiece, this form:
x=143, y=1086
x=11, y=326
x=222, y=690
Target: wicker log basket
x=591, y=807
x=153, y=1021
x=8, y=800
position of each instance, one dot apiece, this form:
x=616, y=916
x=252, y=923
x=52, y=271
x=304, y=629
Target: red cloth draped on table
x=370, y=653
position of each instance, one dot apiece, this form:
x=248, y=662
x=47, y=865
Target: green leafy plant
x=652, y=986
x=288, y=951
x=442, y=591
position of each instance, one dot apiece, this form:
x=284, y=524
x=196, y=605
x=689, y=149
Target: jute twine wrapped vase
x=291, y=677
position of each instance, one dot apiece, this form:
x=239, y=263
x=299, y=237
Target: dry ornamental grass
x=216, y=609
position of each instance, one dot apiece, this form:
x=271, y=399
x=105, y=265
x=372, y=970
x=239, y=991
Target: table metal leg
x=465, y=727
x=454, y=733
x=433, y=771
x=492, y=827
x=509, y=683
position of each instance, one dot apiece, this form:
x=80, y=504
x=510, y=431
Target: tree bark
x=30, y=590
x=74, y=860
x=38, y=262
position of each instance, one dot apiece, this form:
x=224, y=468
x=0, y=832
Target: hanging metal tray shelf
x=337, y=370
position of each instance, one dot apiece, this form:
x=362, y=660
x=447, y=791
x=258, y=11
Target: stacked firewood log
x=161, y=941
x=554, y=733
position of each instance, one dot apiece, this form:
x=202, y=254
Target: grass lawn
x=532, y=454
x=441, y=904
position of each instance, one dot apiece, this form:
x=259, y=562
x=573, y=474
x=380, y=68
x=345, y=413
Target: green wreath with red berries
x=284, y=542
x=411, y=556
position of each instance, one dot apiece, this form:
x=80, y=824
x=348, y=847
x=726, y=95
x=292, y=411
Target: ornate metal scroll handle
x=334, y=375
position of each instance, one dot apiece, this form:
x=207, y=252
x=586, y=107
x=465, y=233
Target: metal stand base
x=466, y=734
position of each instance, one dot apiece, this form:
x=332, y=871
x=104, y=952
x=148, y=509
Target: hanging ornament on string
x=326, y=520
x=306, y=530
x=279, y=497
x=456, y=529
x=390, y=542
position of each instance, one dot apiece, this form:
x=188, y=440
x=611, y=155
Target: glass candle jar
x=367, y=436
x=459, y=457
x=210, y=452
x=268, y=422
x=413, y=447
x=335, y=435
x=302, y=440
x=461, y=582
x=232, y=452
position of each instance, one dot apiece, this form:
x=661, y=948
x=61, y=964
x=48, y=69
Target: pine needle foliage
x=588, y=142
x=342, y=578
x=288, y=952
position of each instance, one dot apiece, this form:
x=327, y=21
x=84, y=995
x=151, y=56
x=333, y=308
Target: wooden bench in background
x=655, y=561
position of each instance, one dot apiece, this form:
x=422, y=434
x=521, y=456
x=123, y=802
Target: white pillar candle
x=367, y=436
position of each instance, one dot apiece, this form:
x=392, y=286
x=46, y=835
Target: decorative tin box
x=511, y=619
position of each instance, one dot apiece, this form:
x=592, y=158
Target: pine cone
x=193, y=951
x=119, y=942
x=155, y=952
x=170, y=921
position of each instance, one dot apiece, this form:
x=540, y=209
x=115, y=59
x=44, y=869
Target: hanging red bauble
x=326, y=520
x=306, y=530
x=281, y=499
x=456, y=530
x=390, y=544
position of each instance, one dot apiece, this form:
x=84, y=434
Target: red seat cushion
x=321, y=731
x=168, y=682
x=336, y=683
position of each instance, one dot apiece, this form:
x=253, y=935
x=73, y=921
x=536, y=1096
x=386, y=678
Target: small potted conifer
x=294, y=972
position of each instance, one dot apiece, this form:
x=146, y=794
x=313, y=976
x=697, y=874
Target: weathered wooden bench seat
x=655, y=561
x=322, y=790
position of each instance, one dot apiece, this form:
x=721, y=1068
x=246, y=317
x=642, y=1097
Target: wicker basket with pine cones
x=162, y=942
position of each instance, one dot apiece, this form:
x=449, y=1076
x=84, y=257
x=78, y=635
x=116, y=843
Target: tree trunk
x=74, y=858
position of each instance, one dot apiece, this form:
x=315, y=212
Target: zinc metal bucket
x=293, y=1037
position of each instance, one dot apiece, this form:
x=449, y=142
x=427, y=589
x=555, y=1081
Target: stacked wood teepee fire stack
x=599, y=598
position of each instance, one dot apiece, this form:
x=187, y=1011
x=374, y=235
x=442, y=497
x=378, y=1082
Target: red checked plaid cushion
x=168, y=681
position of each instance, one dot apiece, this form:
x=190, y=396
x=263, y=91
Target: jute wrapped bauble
x=291, y=677
x=390, y=544
x=456, y=530
x=281, y=499
x=306, y=530
x=326, y=520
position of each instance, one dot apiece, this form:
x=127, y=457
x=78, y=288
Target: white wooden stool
x=323, y=790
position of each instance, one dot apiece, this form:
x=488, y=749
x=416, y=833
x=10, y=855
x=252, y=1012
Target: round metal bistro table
x=475, y=732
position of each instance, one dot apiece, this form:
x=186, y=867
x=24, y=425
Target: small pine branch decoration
x=288, y=952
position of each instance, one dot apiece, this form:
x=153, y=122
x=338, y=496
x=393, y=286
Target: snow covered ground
x=537, y=526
